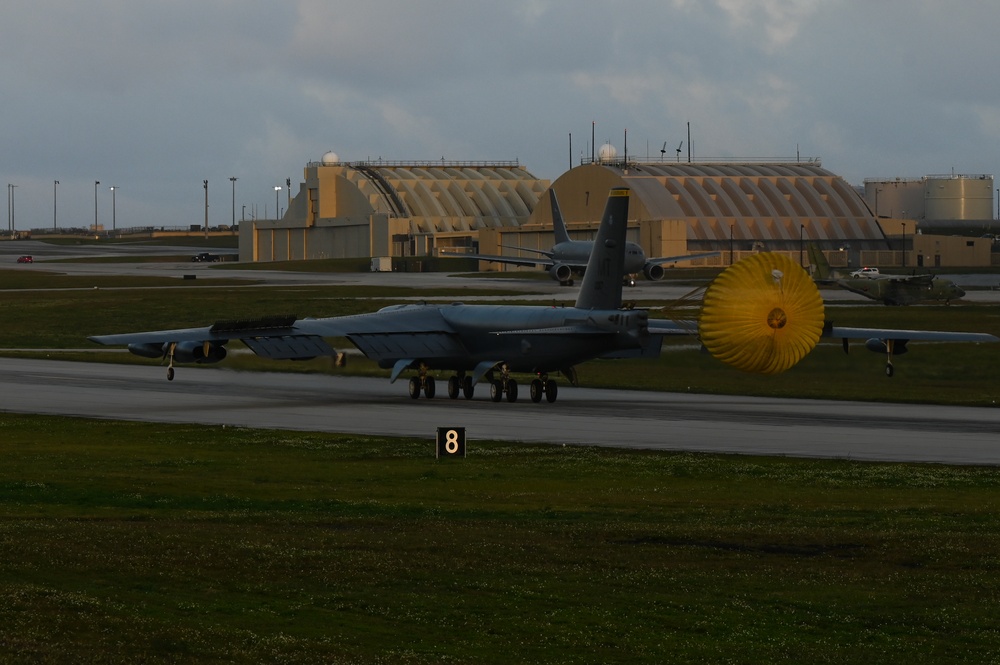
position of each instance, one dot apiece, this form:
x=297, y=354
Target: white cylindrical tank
x=958, y=197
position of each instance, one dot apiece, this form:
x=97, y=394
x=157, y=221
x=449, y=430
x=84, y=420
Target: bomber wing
x=847, y=333
x=893, y=342
x=415, y=331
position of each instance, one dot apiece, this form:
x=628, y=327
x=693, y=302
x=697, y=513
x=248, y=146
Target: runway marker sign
x=450, y=442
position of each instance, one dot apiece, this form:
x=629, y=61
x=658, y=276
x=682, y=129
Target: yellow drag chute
x=762, y=314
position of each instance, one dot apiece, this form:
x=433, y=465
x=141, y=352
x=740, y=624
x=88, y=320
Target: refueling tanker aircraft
x=763, y=314
x=887, y=289
x=568, y=258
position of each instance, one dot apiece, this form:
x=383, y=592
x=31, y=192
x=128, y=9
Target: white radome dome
x=607, y=152
x=330, y=158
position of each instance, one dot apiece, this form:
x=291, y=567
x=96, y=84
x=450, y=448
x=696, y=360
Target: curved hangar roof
x=768, y=202
x=452, y=196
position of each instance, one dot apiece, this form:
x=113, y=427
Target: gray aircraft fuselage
x=529, y=341
x=578, y=252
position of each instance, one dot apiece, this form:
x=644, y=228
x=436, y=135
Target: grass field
x=130, y=542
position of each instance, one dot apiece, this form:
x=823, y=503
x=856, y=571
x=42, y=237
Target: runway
x=632, y=419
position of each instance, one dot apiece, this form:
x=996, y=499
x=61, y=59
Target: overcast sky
x=156, y=97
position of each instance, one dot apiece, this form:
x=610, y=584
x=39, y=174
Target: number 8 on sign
x=450, y=442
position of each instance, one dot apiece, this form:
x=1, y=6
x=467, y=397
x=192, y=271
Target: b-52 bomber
x=756, y=316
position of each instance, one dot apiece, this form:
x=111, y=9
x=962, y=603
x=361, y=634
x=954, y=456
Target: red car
x=25, y=259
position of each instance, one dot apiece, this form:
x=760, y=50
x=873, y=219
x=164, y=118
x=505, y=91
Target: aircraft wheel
x=496, y=391
x=551, y=390
x=453, y=387
x=429, y=388
x=414, y=387
x=889, y=370
x=536, y=390
x=170, y=374
x=511, y=390
x=468, y=389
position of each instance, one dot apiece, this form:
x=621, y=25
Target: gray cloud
x=156, y=97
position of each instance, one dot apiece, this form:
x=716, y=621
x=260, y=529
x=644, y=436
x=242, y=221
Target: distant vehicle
x=865, y=272
x=25, y=259
x=205, y=257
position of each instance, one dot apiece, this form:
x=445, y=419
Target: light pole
x=877, y=190
x=55, y=219
x=205, y=183
x=288, y=185
x=904, y=244
x=114, y=206
x=96, y=183
x=802, y=228
x=730, y=243
x=10, y=208
x=233, y=180
x=277, y=189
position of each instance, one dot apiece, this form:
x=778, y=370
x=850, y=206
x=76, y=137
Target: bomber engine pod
x=879, y=346
x=199, y=352
x=149, y=350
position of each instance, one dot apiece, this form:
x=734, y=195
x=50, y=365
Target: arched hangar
x=687, y=208
x=383, y=208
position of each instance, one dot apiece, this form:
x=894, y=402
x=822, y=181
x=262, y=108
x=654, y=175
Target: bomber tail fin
x=602, y=280
x=558, y=223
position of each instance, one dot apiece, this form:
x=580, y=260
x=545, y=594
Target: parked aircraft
x=888, y=289
x=756, y=316
x=568, y=258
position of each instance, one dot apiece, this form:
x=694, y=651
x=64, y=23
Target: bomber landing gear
x=888, y=359
x=463, y=383
x=170, y=366
x=422, y=382
x=505, y=385
x=544, y=386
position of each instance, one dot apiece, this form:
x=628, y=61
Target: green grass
x=164, y=543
